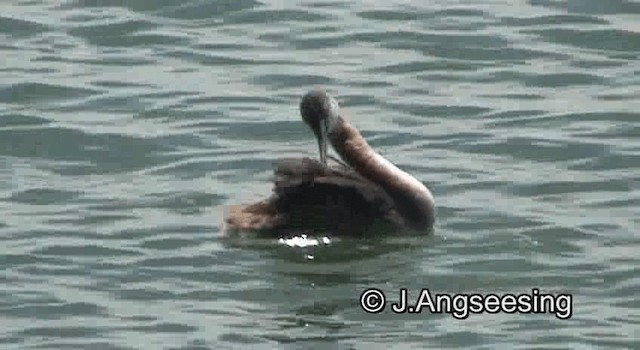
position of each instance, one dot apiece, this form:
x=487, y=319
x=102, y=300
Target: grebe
x=367, y=194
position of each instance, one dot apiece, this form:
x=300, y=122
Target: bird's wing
x=311, y=194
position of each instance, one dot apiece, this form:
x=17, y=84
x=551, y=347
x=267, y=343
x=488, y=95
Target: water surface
x=125, y=127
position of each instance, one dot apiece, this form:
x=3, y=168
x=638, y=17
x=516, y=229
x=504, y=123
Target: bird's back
x=310, y=197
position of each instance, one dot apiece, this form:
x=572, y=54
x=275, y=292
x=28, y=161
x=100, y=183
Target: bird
x=361, y=194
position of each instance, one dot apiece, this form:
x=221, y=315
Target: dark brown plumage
x=364, y=196
x=309, y=197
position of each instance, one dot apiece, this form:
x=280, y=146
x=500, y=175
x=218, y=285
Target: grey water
x=126, y=128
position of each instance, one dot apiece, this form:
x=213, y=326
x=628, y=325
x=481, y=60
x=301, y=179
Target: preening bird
x=364, y=193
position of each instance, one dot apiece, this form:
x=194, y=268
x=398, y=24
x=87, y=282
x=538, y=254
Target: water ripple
x=20, y=28
x=127, y=127
x=607, y=40
x=27, y=93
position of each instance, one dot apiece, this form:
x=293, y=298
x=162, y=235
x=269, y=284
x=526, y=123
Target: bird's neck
x=412, y=198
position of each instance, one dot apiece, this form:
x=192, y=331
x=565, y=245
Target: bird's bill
x=322, y=141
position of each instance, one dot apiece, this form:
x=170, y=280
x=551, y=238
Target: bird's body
x=310, y=196
x=366, y=195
